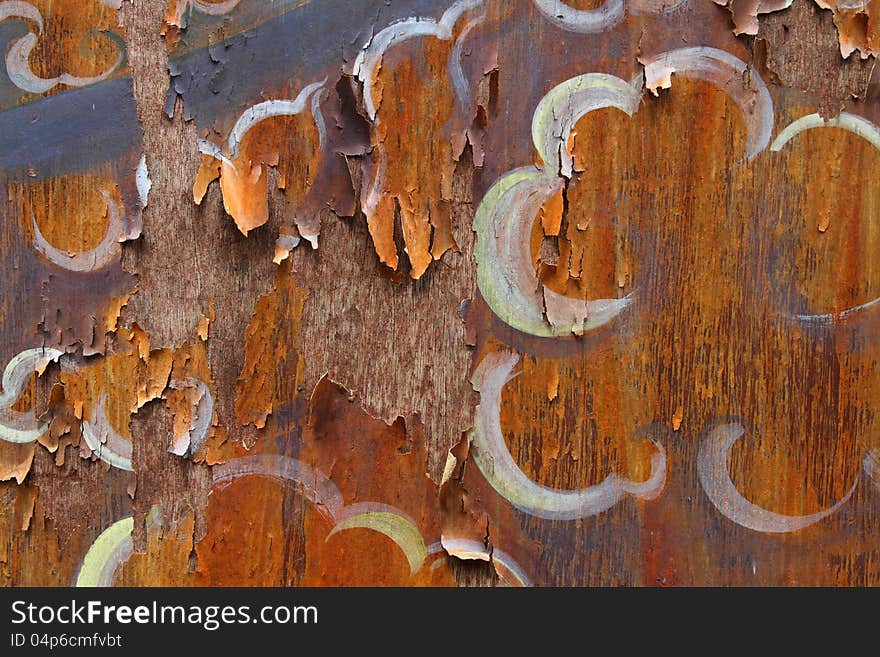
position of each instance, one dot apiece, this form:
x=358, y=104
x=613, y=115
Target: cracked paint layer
x=855, y=20
x=744, y=13
x=302, y=498
x=588, y=293
x=255, y=142
x=857, y=26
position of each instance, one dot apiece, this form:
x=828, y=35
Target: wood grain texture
x=287, y=363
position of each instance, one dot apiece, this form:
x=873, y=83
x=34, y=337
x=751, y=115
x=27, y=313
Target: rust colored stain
x=346, y=294
x=73, y=44
x=420, y=150
x=272, y=338
x=245, y=178
x=857, y=27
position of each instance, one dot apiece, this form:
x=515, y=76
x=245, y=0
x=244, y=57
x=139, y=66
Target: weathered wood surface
x=592, y=236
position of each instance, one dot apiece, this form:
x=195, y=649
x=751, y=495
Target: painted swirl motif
x=505, y=273
x=19, y=66
x=511, y=288
x=721, y=491
x=113, y=547
x=424, y=219
x=243, y=174
x=102, y=440
x=866, y=130
x=602, y=18
x=22, y=426
x=492, y=456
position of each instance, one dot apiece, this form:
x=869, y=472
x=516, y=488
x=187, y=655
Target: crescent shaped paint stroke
x=267, y=109
x=391, y=522
x=871, y=466
x=18, y=67
x=326, y=497
x=721, y=491
x=494, y=460
x=22, y=10
x=17, y=426
x=203, y=417
x=315, y=486
x=103, y=441
x=142, y=181
x=854, y=124
x=568, y=102
x=857, y=125
x=112, y=548
x=503, y=221
x=510, y=572
x=566, y=17
x=106, y=252
x=728, y=73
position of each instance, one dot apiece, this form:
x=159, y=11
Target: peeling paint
x=589, y=295
x=856, y=23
